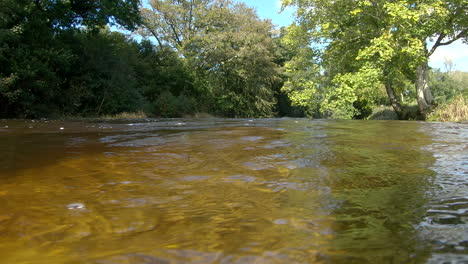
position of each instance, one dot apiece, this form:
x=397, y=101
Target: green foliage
x=303, y=74
x=93, y=14
x=56, y=60
x=40, y=47
x=364, y=45
x=106, y=81
x=165, y=81
x=31, y=61
x=229, y=52
x=383, y=113
x=301, y=71
x=283, y=54
x=168, y=105
x=353, y=92
x=448, y=85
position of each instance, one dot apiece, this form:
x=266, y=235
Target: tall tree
x=35, y=63
x=173, y=22
x=231, y=51
x=384, y=41
x=62, y=14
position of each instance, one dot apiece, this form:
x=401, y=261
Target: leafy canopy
x=365, y=44
x=230, y=51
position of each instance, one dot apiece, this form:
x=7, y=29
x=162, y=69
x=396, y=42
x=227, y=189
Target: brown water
x=233, y=191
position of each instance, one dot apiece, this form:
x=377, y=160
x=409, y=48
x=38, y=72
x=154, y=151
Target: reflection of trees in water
x=378, y=177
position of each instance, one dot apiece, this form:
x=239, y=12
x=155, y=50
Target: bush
x=126, y=115
x=383, y=113
x=168, y=105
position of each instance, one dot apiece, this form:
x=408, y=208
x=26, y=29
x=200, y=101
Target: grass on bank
x=410, y=112
x=383, y=112
x=454, y=111
x=141, y=115
x=126, y=115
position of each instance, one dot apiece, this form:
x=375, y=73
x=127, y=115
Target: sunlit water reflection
x=233, y=191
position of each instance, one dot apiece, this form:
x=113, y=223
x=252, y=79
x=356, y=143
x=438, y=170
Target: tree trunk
x=393, y=99
x=423, y=91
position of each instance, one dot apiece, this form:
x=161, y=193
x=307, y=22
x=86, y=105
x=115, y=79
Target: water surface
x=233, y=191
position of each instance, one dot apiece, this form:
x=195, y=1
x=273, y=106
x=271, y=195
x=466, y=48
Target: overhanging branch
x=459, y=36
x=440, y=43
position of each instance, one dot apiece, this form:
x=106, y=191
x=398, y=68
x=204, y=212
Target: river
x=233, y=191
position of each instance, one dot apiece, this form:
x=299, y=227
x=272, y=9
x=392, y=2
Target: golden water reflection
x=278, y=191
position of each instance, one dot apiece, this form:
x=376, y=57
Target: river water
x=233, y=191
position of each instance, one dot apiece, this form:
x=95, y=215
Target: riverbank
x=453, y=111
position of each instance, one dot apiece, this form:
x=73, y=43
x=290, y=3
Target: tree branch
x=436, y=44
x=155, y=35
x=457, y=37
x=440, y=43
x=442, y=36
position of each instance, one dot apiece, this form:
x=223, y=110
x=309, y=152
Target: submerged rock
x=447, y=220
x=76, y=206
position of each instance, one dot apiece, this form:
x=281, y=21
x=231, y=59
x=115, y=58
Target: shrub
x=454, y=111
x=383, y=113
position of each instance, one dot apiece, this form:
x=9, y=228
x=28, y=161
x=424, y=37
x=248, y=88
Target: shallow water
x=233, y=191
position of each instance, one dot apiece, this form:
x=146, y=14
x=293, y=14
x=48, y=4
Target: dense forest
x=170, y=58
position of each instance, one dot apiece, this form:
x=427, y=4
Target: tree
x=166, y=81
x=385, y=41
x=36, y=62
x=31, y=60
x=63, y=14
x=174, y=22
x=106, y=78
x=229, y=49
x=302, y=71
x=284, y=53
x=448, y=85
